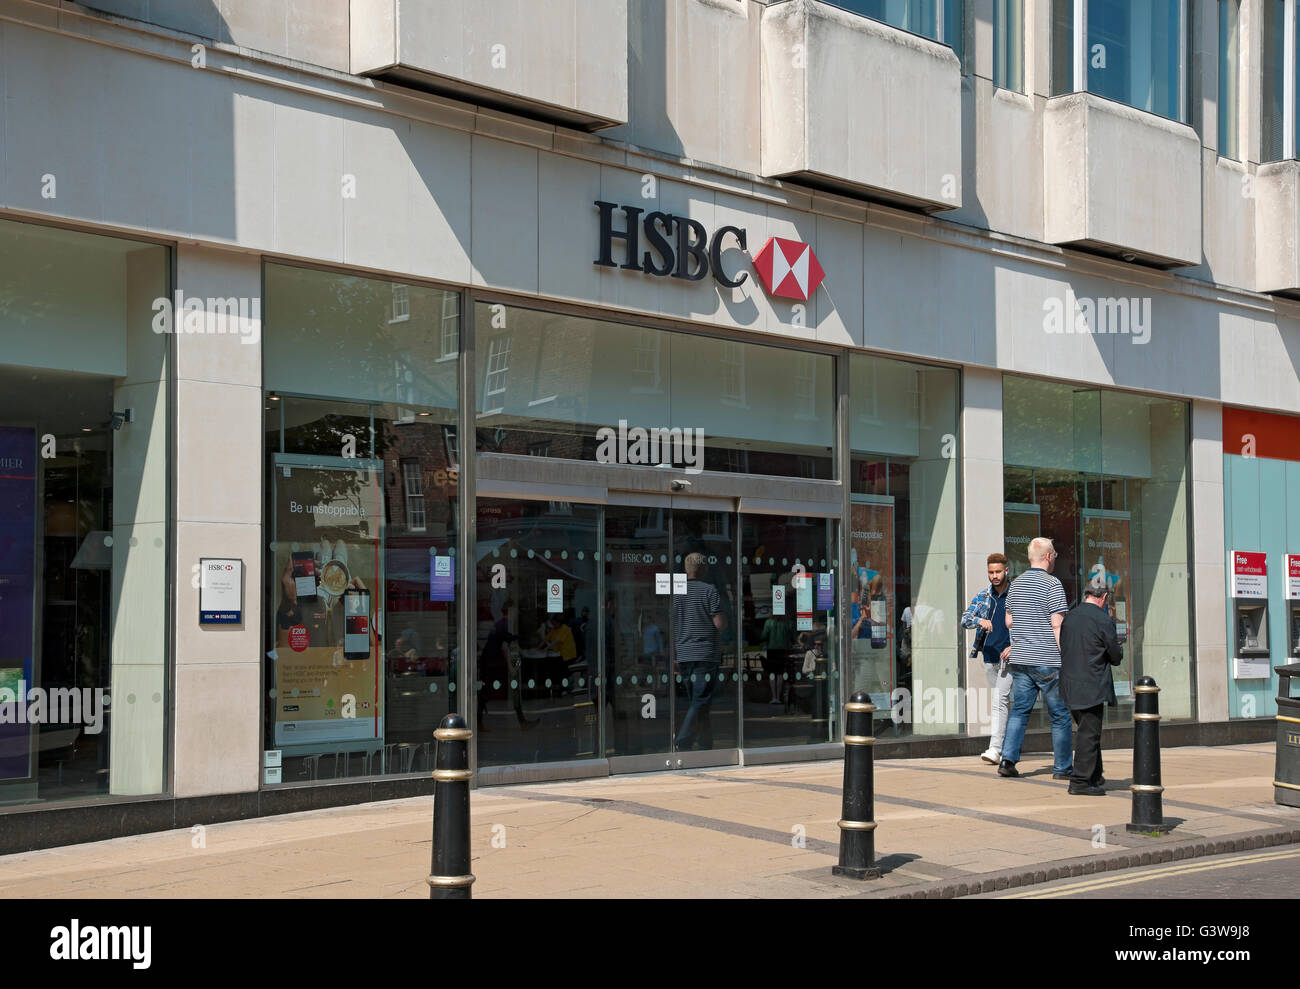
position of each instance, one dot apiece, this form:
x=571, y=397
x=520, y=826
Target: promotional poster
x=874, y=645
x=1106, y=552
x=327, y=663
x=17, y=567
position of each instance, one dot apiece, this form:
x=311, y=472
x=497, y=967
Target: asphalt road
x=1267, y=873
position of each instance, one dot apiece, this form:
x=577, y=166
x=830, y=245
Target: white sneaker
x=992, y=757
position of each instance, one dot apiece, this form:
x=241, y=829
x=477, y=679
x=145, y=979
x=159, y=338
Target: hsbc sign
x=679, y=247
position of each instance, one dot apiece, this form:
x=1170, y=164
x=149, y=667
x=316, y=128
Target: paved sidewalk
x=764, y=831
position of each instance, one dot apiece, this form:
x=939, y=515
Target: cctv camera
x=680, y=485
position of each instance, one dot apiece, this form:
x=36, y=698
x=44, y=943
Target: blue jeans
x=696, y=722
x=1027, y=682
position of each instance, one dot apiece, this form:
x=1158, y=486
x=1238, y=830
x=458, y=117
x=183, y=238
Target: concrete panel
x=218, y=729
x=376, y=224
x=503, y=212
x=1007, y=192
x=217, y=480
x=373, y=34
x=230, y=351
x=567, y=228
x=839, y=303
x=555, y=58
x=1230, y=223
x=1277, y=216
x=308, y=182
x=438, y=202
x=1121, y=180
x=854, y=103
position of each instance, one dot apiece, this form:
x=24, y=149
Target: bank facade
x=369, y=364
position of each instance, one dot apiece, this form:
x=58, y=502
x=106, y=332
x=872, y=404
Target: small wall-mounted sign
x=221, y=591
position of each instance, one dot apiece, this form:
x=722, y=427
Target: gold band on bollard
x=1146, y=717
x=449, y=882
x=855, y=707
x=859, y=740
x=1286, y=786
x=452, y=734
x=1144, y=689
x=1290, y=721
x=857, y=825
x=1146, y=788
x=453, y=775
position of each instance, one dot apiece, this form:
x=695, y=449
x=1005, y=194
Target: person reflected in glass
x=776, y=640
x=496, y=663
x=698, y=618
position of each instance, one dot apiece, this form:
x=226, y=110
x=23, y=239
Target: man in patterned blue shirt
x=1035, y=609
x=987, y=612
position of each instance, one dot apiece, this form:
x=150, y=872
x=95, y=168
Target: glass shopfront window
x=83, y=516
x=555, y=385
x=362, y=469
x=905, y=603
x=1104, y=475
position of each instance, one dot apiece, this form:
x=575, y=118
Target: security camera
x=680, y=485
x=126, y=415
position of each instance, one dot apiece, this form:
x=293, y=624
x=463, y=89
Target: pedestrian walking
x=697, y=619
x=988, y=612
x=1035, y=609
x=1089, y=648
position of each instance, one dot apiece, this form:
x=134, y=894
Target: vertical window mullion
x=1288, y=81
x=1080, y=46
x=1183, y=27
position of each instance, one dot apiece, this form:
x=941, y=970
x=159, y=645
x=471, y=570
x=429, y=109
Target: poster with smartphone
x=874, y=647
x=1106, y=553
x=327, y=664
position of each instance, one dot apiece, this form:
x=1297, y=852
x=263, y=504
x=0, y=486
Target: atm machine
x=1291, y=572
x=1248, y=585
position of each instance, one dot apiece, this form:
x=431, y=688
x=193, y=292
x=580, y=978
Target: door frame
x=553, y=479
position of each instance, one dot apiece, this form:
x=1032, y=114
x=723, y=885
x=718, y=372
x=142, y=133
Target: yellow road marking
x=1167, y=871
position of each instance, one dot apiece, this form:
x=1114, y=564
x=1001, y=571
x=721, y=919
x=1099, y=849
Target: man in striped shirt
x=697, y=619
x=1035, y=609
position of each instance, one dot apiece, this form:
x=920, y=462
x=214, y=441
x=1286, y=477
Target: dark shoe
x=1007, y=769
x=1060, y=776
x=1086, y=791
x=526, y=725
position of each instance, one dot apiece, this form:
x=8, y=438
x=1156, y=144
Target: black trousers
x=1087, y=745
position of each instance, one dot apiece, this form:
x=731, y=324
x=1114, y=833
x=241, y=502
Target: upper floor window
x=1229, y=68
x=1130, y=51
x=1279, y=68
x=1009, y=44
x=938, y=20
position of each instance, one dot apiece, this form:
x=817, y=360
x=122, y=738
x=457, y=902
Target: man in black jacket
x=1089, y=648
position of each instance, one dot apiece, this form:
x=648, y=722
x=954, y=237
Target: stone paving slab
x=945, y=827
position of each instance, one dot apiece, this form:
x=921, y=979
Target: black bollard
x=858, y=825
x=1148, y=810
x=451, y=878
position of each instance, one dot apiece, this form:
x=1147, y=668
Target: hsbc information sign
x=679, y=247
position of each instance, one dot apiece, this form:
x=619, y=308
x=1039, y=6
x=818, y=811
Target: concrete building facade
x=1059, y=268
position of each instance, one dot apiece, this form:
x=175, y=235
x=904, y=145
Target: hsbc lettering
x=678, y=246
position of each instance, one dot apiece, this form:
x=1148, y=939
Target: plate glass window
x=361, y=488
x=1009, y=44
x=85, y=338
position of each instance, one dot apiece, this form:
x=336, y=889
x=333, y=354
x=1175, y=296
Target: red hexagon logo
x=788, y=268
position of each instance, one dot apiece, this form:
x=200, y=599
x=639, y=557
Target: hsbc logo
x=788, y=268
x=680, y=247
